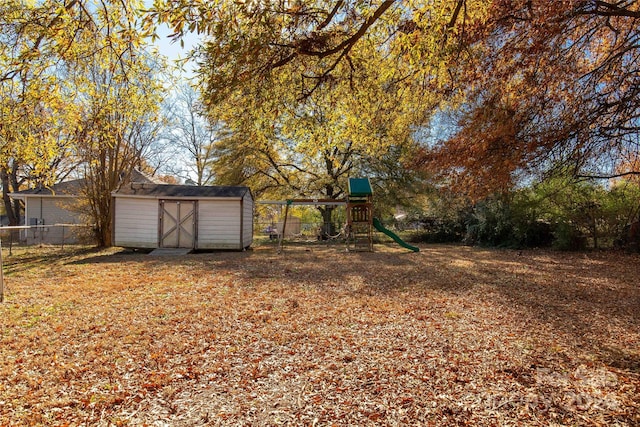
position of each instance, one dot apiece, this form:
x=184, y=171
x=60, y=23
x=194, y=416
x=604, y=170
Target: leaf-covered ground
x=316, y=336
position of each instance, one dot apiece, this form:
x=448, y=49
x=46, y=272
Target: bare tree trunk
x=102, y=178
x=328, y=227
x=10, y=183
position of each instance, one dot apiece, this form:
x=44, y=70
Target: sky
x=173, y=49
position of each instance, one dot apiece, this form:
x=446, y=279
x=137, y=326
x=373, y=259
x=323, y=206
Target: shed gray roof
x=181, y=191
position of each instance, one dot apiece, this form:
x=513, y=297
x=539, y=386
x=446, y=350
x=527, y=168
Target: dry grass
x=448, y=336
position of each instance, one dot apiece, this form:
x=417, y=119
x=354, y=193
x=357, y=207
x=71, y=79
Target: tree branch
x=345, y=46
x=603, y=8
x=456, y=12
x=331, y=15
x=351, y=41
x=609, y=176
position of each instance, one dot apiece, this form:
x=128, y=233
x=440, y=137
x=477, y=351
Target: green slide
x=378, y=225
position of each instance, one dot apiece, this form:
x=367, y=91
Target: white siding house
x=183, y=216
x=49, y=209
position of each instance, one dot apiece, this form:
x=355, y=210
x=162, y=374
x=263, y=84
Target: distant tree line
x=559, y=212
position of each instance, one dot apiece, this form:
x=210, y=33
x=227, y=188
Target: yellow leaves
x=67, y=67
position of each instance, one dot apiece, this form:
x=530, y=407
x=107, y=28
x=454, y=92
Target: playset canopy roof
x=360, y=187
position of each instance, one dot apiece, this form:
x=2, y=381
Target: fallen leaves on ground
x=317, y=336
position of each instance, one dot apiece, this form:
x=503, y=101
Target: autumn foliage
x=547, y=85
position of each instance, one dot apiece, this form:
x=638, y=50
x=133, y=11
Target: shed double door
x=177, y=223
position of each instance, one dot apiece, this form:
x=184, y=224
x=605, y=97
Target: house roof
x=73, y=187
x=66, y=188
x=181, y=191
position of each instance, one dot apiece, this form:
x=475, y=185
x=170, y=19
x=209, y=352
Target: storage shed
x=182, y=216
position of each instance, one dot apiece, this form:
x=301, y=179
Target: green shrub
x=491, y=224
x=440, y=232
x=567, y=237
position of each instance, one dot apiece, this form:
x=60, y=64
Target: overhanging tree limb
x=342, y=48
x=331, y=15
x=609, y=176
x=603, y=8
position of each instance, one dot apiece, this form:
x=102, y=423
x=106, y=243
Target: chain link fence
x=51, y=234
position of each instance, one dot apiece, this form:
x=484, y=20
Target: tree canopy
x=311, y=147
x=314, y=92
x=548, y=85
x=534, y=85
x=247, y=41
x=76, y=87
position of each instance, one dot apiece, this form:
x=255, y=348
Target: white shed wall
x=136, y=222
x=247, y=221
x=219, y=224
